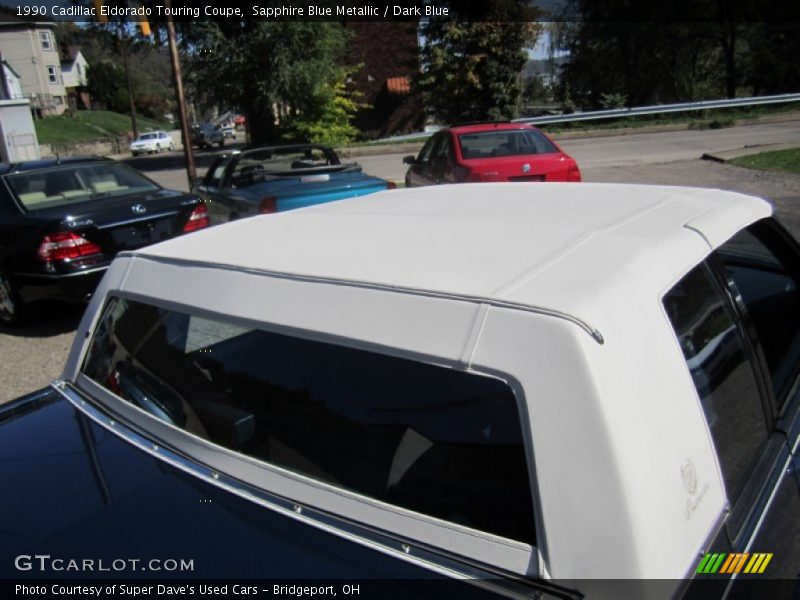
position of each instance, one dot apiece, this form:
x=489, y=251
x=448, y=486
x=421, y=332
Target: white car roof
x=559, y=247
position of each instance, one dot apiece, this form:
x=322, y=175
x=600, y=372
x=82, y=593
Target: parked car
x=229, y=132
x=488, y=152
x=471, y=382
x=153, y=141
x=280, y=178
x=62, y=221
x=205, y=135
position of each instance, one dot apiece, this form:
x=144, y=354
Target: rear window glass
x=437, y=441
x=488, y=144
x=63, y=185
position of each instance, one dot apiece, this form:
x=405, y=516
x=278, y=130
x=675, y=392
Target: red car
x=490, y=152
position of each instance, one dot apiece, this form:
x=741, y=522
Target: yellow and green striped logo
x=728, y=564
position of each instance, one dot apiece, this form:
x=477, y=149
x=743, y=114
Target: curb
x=723, y=156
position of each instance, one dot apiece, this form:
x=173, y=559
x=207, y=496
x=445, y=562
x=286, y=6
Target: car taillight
x=65, y=245
x=198, y=219
x=391, y=185
x=574, y=174
x=269, y=204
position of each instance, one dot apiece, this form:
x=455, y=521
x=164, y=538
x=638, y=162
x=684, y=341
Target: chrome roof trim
x=594, y=333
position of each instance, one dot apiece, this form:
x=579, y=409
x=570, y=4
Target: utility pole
x=191, y=172
x=134, y=126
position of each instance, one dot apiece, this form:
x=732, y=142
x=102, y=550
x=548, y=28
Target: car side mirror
x=410, y=160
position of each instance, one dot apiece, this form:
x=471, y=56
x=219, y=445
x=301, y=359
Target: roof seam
x=527, y=276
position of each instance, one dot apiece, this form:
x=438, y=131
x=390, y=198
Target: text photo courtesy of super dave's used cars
x=542, y=390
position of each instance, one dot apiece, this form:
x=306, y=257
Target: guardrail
x=661, y=109
x=630, y=112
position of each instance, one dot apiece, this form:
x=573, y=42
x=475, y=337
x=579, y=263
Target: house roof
x=8, y=66
x=398, y=85
x=14, y=22
x=69, y=54
x=576, y=249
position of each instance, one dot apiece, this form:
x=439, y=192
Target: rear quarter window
x=722, y=373
x=433, y=440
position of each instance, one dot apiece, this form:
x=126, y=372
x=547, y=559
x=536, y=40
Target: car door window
x=717, y=358
x=216, y=174
x=428, y=150
x=443, y=150
x=764, y=269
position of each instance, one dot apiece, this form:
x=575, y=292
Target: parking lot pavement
x=34, y=355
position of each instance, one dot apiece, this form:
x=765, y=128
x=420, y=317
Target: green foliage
x=611, y=101
x=106, y=84
x=286, y=77
x=327, y=119
x=647, y=53
x=471, y=68
x=104, y=46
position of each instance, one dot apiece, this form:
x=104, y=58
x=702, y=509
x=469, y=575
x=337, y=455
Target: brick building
x=388, y=53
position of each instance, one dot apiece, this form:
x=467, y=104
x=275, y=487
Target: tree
x=106, y=84
x=471, y=64
x=326, y=118
x=680, y=50
x=286, y=77
x=112, y=45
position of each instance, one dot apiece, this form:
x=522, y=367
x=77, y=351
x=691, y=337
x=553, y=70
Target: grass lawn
x=87, y=126
x=787, y=161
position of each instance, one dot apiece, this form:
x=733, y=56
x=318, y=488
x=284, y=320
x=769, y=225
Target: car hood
x=77, y=491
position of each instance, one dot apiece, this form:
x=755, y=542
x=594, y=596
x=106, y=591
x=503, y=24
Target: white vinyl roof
x=560, y=247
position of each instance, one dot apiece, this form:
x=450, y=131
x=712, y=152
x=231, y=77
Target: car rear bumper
x=72, y=287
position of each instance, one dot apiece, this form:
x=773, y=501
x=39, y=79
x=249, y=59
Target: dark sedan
x=62, y=221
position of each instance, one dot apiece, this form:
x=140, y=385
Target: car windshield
x=256, y=164
x=489, y=144
x=147, y=136
x=62, y=185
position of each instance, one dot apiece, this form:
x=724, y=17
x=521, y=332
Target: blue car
x=280, y=178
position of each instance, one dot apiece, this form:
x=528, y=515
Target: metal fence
x=630, y=112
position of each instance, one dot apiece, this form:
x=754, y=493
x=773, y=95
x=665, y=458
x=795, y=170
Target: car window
x=428, y=149
x=489, y=144
x=148, y=136
x=722, y=373
x=217, y=172
x=49, y=188
x=433, y=440
x=765, y=272
x=443, y=150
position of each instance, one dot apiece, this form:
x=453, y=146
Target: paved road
x=32, y=356
x=636, y=148
x=613, y=151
